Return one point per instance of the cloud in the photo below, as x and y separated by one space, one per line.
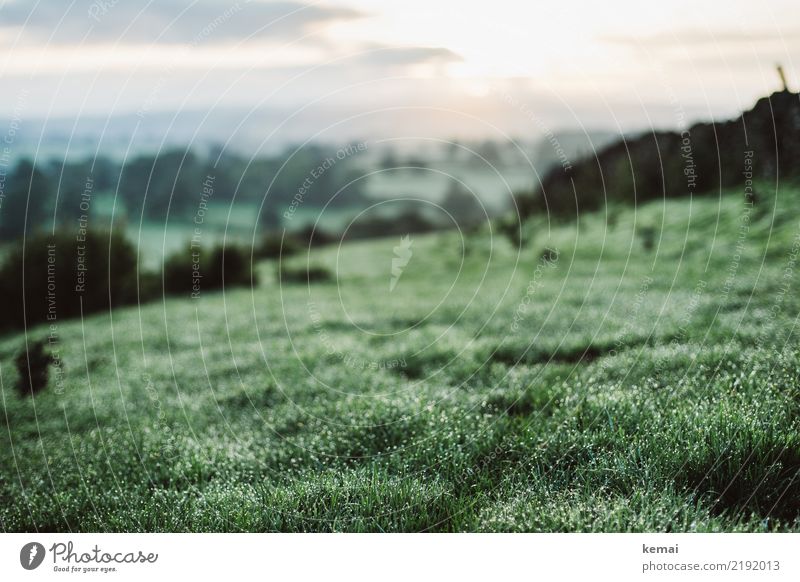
694 38
163 21
385 56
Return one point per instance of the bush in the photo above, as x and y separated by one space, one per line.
462 205
549 255
408 222
50 277
33 366
304 274
511 228
194 269
647 234
28 202
273 246
310 237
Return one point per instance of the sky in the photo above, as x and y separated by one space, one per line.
463 67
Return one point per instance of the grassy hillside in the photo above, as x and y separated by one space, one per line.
644 377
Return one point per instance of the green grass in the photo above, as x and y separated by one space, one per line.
637 391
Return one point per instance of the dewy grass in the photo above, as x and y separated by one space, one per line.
642 389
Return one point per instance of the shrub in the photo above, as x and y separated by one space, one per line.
511 228
33 367
28 202
464 207
304 274
49 277
408 222
549 255
647 234
194 269
273 246
313 237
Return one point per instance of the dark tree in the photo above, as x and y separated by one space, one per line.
463 206
61 275
27 203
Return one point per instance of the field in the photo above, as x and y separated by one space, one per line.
636 370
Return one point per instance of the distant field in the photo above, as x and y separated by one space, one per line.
599 386
492 185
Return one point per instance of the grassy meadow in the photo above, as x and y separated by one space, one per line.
636 370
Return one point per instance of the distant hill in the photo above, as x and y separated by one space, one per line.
761 144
